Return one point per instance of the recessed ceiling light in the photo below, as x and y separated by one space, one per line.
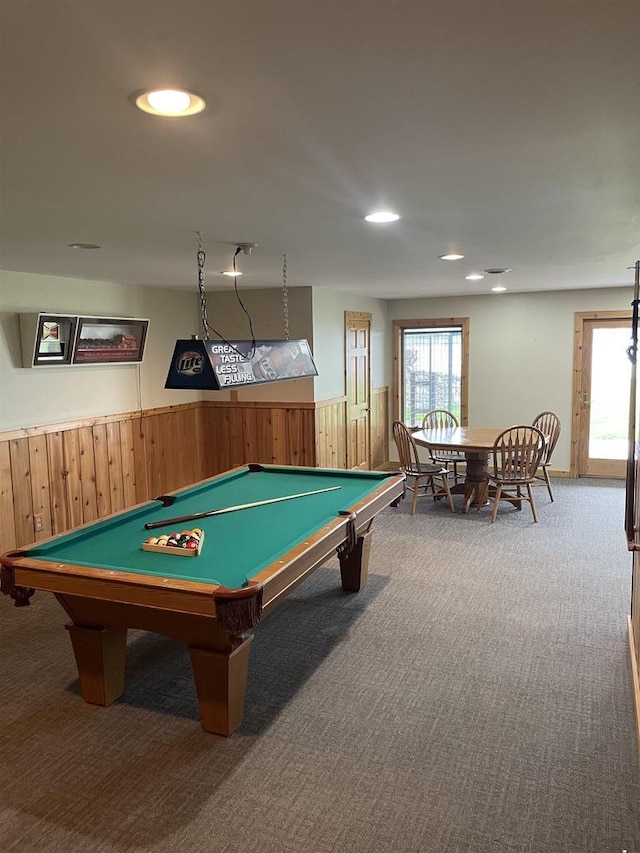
173 103
233 273
382 216
496 270
83 246
499 288
475 276
452 256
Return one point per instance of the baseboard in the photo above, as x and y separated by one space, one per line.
636 682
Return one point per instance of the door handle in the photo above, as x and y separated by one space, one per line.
585 398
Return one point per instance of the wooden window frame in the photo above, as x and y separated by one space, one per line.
399 327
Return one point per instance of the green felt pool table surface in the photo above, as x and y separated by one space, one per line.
237 545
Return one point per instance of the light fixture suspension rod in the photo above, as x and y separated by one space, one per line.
285 298
200 259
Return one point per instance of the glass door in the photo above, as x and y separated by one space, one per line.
604 398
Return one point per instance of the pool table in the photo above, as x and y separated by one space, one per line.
251 558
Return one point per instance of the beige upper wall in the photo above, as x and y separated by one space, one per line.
329 307
45 395
521 347
521 351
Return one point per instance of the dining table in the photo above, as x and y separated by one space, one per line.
476 443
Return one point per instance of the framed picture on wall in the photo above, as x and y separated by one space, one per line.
47 339
109 340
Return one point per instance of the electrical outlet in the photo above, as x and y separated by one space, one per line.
38 522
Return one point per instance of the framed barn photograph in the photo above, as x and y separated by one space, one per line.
109 340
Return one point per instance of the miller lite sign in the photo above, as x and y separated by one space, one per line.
217 365
190 368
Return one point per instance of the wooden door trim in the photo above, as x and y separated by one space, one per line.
580 318
355 317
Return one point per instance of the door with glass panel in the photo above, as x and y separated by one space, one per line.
602 394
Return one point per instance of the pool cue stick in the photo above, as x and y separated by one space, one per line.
169 521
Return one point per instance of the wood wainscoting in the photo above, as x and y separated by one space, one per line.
235 433
288 434
331 431
379 427
56 477
634 638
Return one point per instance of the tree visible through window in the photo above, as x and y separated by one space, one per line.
431 360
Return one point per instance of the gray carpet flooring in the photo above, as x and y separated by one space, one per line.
475 698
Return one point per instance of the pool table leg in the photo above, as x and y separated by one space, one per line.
221 681
354 564
100 657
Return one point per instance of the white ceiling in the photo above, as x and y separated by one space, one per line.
506 129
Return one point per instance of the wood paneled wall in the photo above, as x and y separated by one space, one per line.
379 427
634 638
331 435
56 477
235 433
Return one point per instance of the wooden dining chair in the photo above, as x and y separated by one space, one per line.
443 419
514 461
421 476
549 424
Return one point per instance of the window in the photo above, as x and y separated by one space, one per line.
431 359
